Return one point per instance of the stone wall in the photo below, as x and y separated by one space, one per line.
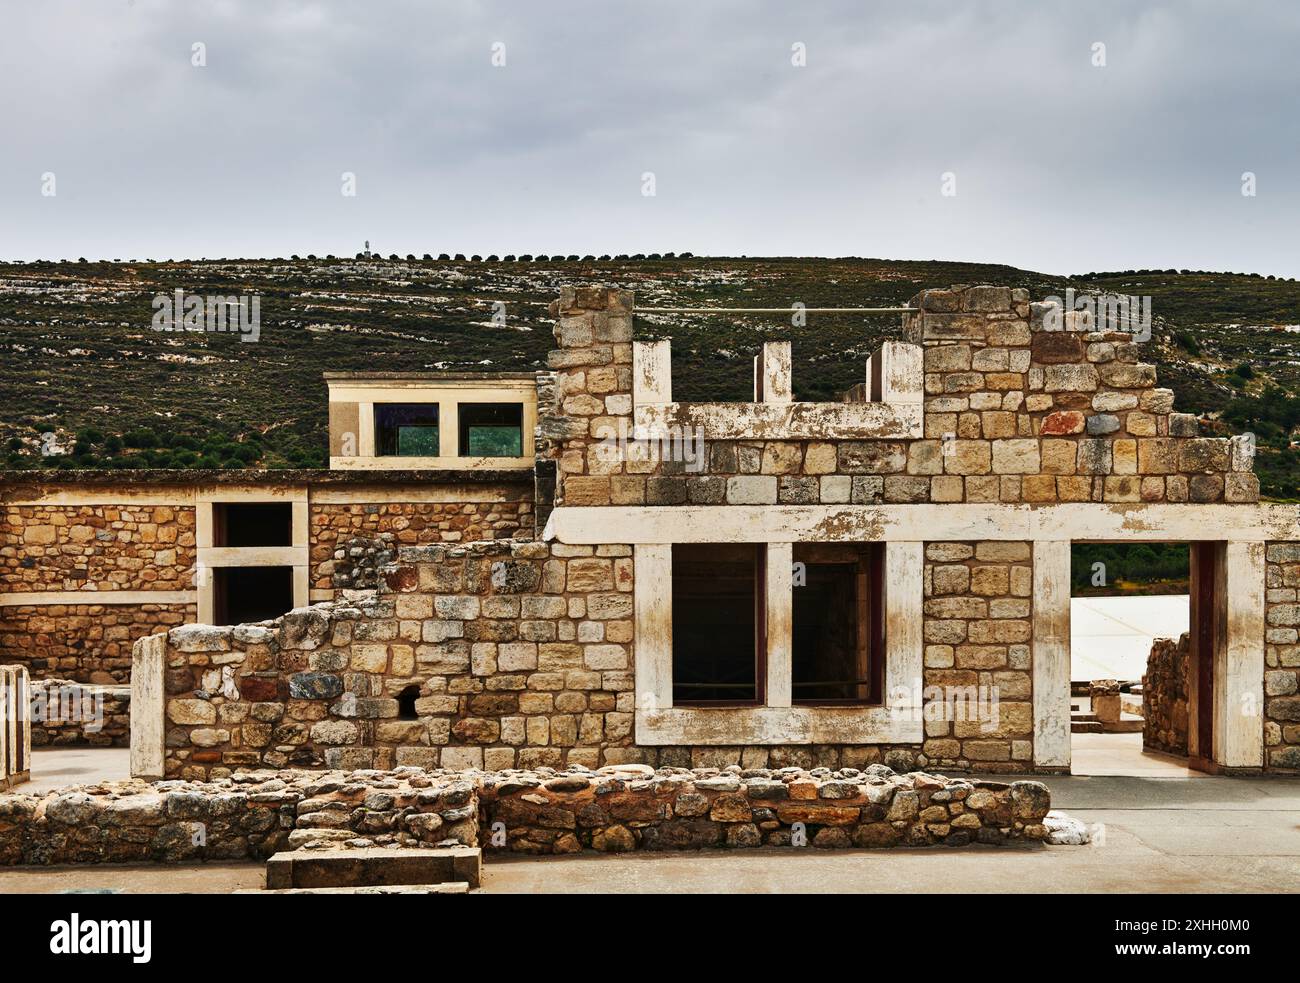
340 528
247 816
1165 689
1282 657
977 631
1014 411
518 655
67 713
617 809
96 547
1018 412
87 642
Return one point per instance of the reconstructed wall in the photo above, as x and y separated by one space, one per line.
86 642
257 814
338 529
78 582
520 654
1165 690
978 626
78 551
1018 412
66 713
1282 657
96 547
1014 411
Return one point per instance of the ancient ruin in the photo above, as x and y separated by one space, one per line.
616 620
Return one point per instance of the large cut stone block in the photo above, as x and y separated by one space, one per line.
373 867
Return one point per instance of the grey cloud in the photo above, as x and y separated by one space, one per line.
1060 166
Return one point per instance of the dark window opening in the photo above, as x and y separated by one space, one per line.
246 594
252 524
718 624
406 430
837 630
406 703
491 429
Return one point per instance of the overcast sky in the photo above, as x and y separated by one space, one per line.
1059 165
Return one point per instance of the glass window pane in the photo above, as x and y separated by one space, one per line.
406 429
491 429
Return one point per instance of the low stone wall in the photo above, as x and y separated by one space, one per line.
1164 696
66 713
252 815
633 807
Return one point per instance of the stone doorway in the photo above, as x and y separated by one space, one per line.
1132 604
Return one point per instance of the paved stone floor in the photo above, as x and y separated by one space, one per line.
55 767
1122 754
1161 835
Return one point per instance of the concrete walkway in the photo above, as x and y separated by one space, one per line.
1160 835
57 767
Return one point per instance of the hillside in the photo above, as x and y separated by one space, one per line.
80 361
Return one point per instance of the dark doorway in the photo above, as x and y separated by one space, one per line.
246 594
245 524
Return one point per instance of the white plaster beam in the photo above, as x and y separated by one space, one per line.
784 421
773 380
902 379
105 597
775 725
652 600
652 373
924 522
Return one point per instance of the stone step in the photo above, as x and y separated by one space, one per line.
373 867
451 887
1086 727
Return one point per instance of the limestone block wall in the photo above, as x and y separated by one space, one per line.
1282 657
1013 411
83 641
338 528
96 547
515 655
978 659
69 553
66 713
1165 690
1025 413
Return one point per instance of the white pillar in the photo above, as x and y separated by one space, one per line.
1051 655
148 699
780 621
1239 673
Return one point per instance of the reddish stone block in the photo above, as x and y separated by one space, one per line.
1062 422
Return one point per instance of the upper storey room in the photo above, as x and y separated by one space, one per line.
423 420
